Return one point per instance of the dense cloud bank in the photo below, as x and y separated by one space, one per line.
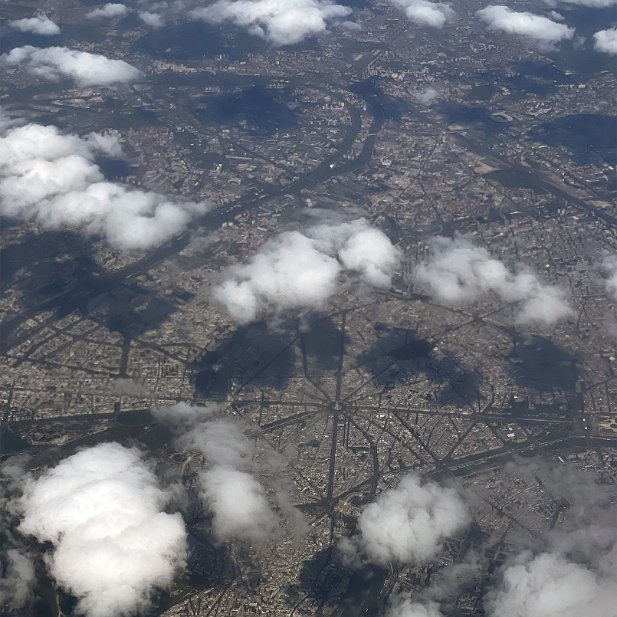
235 496
457 272
52 178
103 511
426 13
296 271
536 28
407 524
84 68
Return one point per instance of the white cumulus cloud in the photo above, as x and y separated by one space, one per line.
154 20
407 524
457 272
113 543
606 41
296 271
278 21
426 13
84 68
533 27
110 10
52 178
40 24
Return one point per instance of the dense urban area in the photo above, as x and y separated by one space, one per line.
459 132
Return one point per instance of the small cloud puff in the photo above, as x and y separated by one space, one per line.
154 20
426 97
406 608
40 24
596 4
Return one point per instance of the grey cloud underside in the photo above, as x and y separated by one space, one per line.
457 272
52 179
113 543
299 271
